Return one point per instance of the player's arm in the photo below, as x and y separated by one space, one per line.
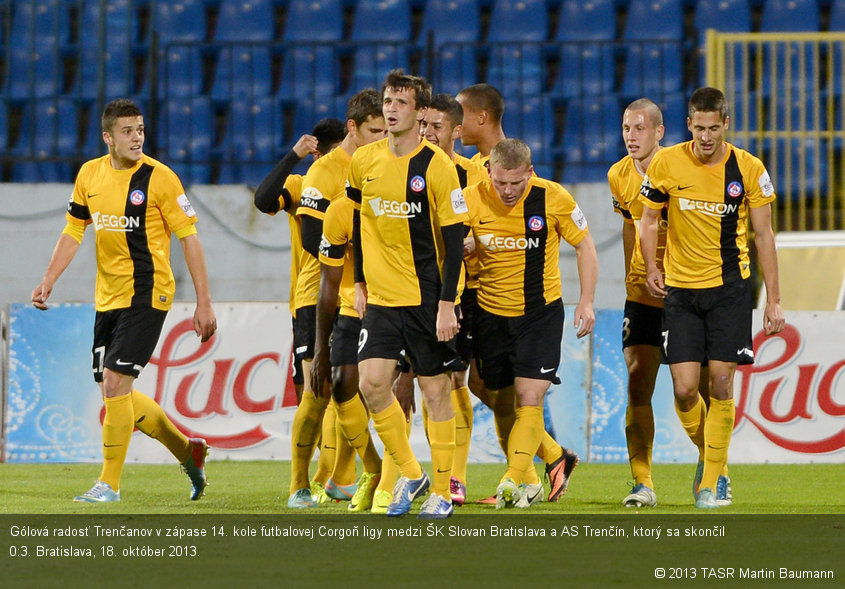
205 323
267 194
588 274
648 245
453 241
63 253
764 238
628 237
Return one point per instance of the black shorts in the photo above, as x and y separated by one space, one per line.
125 339
304 333
465 343
344 344
387 331
526 347
642 325
713 323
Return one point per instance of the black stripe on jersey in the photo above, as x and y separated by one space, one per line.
354 194
78 211
730 220
535 257
331 250
462 176
139 249
652 194
420 228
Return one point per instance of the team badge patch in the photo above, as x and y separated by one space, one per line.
536 223
137 197
734 189
417 183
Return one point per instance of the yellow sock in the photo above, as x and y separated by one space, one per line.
724 472
718 429
328 445
304 433
425 422
504 425
639 432
344 472
442 436
117 431
390 425
549 450
462 406
353 420
693 422
151 419
389 468
524 441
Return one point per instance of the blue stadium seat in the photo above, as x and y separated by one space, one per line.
795 159
185 138
245 20
39 23
379 28
180 20
800 16
34 73
727 16
118 23
44 134
653 69
590 20
526 20
795 57
242 71
117 73
309 66
674 109
585 69
533 121
180 72
515 61
837 23
456 27
253 129
592 139
4 125
306 114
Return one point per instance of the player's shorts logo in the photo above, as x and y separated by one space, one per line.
536 223
417 183
734 189
137 197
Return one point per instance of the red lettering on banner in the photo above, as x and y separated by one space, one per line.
800 407
215 403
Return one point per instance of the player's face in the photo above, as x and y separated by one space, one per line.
370 130
400 111
510 184
126 141
640 134
438 129
708 134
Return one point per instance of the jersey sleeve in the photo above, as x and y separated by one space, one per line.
337 232
619 205
172 201
446 189
760 191
78 213
654 192
570 220
316 192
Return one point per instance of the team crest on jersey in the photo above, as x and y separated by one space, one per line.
734 189
137 197
417 183
536 223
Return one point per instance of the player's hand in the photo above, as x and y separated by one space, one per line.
447 321
654 283
773 319
469 245
205 323
361 299
306 144
403 390
321 373
585 319
40 294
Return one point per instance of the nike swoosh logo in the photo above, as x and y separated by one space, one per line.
519 452
533 497
93 195
685 187
122 363
371 179
485 221
447 470
298 445
112 445
546 370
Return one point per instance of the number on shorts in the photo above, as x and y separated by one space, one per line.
362 339
666 342
100 352
626 328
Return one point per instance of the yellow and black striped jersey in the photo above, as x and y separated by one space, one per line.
324 182
133 213
293 184
707 239
404 203
336 250
625 180
469 173
518 247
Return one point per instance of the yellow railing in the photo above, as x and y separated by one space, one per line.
786 93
